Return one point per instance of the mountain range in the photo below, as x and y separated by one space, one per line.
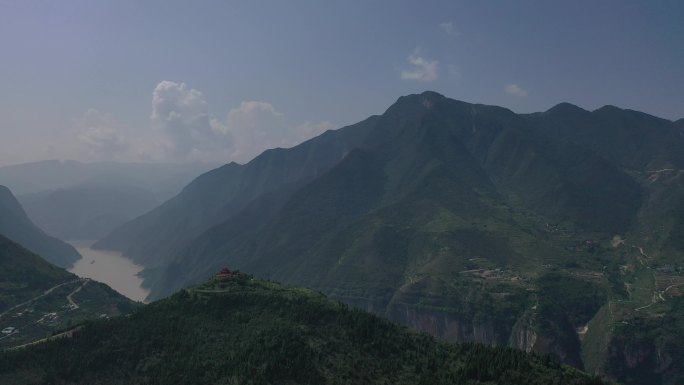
556 232
85 201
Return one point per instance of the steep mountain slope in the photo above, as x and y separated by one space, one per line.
25 275
475 224
631 139
15 225
248 331
220 193
87 211
37 298
421 162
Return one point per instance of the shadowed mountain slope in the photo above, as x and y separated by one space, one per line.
453 218
222 192
15 224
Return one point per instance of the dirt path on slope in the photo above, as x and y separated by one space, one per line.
46 292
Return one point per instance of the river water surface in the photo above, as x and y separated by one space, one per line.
109 267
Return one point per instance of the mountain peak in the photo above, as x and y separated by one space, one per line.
608 108
565 108
432 94
425 99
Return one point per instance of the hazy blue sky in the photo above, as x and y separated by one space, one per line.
222 80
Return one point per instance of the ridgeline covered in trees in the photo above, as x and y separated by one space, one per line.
245 331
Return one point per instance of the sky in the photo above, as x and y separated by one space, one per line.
221 81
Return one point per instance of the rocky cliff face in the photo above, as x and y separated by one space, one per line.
525 333
450 327
636 362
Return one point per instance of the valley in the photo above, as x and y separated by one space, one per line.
468 222
120 273
341 193
38 300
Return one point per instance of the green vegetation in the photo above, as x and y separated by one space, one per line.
245 331
578 298
648 341
24 275
34 297
470 222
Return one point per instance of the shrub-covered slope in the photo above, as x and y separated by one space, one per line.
38 299
244 331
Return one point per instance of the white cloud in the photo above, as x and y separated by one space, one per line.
181 113
256 126
449 29
183 129
421 69
97 136
515 90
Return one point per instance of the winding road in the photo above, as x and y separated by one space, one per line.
73 305
46 292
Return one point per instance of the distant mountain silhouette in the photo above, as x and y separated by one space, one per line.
15 224
74 200
50 175
87 211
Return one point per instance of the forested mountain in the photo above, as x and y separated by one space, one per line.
244 331
38 299
554 232
223 192
15 224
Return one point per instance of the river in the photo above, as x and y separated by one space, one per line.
109 267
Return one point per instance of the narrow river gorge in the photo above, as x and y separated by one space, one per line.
109 267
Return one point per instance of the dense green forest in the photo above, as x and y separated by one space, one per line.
247 331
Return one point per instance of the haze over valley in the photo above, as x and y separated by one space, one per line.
342 193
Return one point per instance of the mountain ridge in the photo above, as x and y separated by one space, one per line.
240 330
453 218
15 224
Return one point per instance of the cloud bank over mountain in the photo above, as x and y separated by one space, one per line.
182 128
